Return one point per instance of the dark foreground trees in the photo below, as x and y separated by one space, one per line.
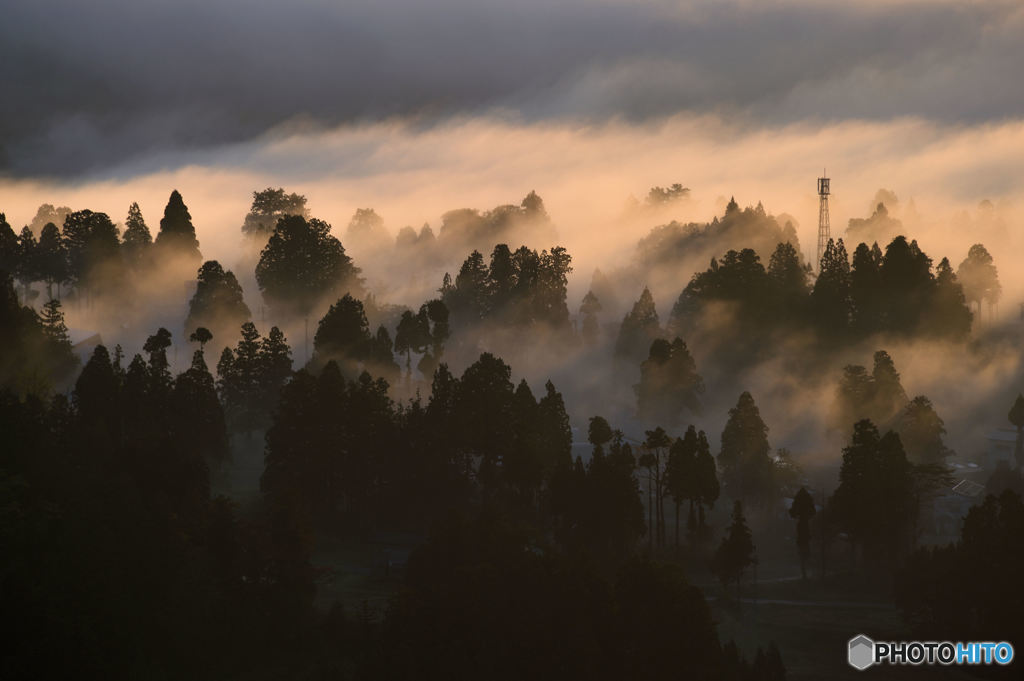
874 501
802 510
485 601
736 552
970 591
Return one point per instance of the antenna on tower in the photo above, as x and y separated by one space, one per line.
823 224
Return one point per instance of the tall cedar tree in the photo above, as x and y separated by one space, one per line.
830 298
218 302
53 258
873 502
590 328
669 383
136 240
736 552
251 376
681 480
177 236
343 335
802 509
640 327
654 459
747 468
1016 417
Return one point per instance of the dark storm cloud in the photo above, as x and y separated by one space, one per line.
94 85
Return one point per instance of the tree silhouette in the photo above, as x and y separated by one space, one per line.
93 250
802 509
866 293
589 309
412 335
669 383
200 419
343 334
967 590
681 477
238 382
28 267
1016 417
599 505
177 236
654 459
788 277
707 486
57 348
218 301
979 278
747 468
921 431
736 552
888 396
269 206
53 258
906 277
366 227
136 241
275 367
873 502
948 316
8 247
302 263
159 368
202 336
640 327
830 298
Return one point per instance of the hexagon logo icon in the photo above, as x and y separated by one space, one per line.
861 653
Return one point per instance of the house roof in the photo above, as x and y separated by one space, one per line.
968 488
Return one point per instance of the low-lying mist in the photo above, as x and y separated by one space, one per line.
948 186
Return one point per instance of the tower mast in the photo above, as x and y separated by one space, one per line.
823 224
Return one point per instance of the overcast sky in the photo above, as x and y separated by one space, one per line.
90 87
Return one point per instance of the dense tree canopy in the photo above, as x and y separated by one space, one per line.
269 206
302 264
218 302
669 383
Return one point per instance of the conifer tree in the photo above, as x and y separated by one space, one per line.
218 302
669 383
53 258
177 236
589 309
640 327
1016 417
802 509
830 298
28 269
736 552
198 416
136 240
58 351
747 468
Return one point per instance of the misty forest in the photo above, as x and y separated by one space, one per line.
445 452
